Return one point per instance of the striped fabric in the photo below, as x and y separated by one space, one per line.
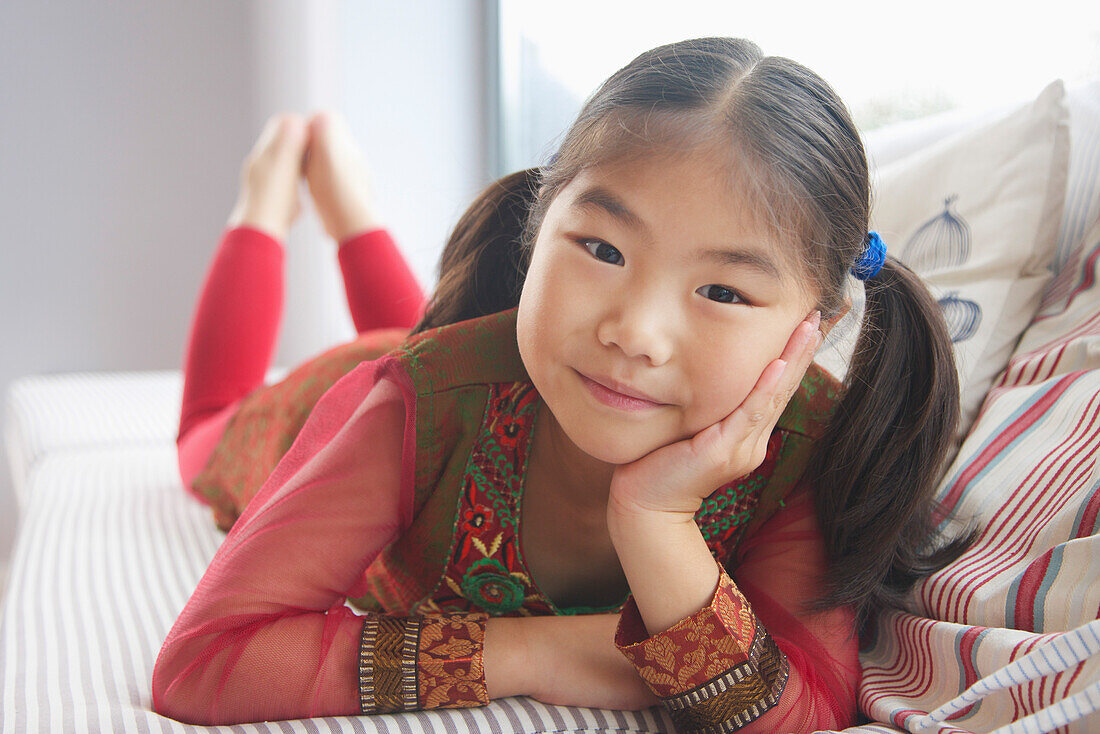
109 550
86 409
1029 476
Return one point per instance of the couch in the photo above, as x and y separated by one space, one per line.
998 209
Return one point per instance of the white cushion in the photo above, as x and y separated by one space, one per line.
888 144
48 413
976 215
110 549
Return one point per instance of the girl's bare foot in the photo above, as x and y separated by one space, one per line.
269 177
337 175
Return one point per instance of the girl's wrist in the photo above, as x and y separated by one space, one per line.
625 520
667 563
507 655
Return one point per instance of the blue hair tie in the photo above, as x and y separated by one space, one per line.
872 257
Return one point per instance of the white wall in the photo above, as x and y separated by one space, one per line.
123 126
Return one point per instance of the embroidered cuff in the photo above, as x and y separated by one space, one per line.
387 664
422 662
714 671
452 669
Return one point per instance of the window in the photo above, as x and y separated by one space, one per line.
888 61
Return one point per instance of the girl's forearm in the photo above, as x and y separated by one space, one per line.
568 660
506 657
671 572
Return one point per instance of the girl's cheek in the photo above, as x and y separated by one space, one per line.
725 376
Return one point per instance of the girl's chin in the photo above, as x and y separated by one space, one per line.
607 440
616 452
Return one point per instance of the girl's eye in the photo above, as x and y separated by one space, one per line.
720 294
603 251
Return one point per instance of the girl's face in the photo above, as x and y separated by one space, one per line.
652 304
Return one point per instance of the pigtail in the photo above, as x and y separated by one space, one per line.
482 266
877 467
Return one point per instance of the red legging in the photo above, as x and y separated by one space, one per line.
237 319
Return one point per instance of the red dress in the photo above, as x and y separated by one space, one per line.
267 633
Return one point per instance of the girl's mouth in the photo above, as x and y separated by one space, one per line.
617 395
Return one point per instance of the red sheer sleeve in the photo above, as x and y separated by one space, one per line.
781 567
266 635
754 654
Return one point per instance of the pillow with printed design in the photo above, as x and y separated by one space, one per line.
977 215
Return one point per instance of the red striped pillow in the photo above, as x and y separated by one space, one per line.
1029 475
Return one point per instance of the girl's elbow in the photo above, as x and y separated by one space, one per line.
173 695
165 702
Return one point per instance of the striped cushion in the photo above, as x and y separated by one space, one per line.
109 551
1029 476
1082 196
46 413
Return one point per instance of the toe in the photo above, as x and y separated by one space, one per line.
319 124
291 131
283 134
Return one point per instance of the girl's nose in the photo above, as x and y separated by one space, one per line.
639 330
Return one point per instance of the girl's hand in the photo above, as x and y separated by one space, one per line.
676 478
577 664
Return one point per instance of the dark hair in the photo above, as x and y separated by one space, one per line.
794 143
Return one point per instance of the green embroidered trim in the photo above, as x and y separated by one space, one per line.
488 584
712 516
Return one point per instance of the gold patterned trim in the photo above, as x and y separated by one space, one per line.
451 661
740 695
387 664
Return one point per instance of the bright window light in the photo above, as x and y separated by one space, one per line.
888 61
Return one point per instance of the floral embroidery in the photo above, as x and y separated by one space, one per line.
485 569
511 431
475 518
721 652
489 585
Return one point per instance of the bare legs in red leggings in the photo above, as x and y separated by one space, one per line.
237 317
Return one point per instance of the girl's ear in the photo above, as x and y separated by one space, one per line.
828 324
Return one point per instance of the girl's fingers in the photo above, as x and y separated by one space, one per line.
756 414
798 353
803 340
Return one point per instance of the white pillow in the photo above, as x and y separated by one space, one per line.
976 214
1082 194
892 142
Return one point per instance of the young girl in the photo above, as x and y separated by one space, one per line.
603 470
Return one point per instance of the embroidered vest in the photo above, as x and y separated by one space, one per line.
476 411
